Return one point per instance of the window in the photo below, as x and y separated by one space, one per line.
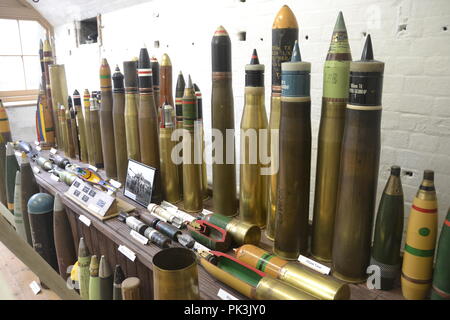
19 55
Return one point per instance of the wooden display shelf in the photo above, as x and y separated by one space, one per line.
104 238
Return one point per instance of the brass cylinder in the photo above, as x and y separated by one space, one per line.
253 182
242 232
63 129
273 289
59 93
70 134
87 126
175 275
169 170
96 133
131 111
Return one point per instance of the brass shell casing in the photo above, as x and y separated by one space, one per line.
244 232
273 289
192 183
169 170
175 275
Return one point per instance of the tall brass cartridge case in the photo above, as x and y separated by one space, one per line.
420 242
81 126
155 84
131 111
179 92
389 231
222 113
175 275
120 138
59 93
64 130
192 179
358 169
284 34
291 229
253 181
106 121
74 127
148 123
70 138
319 286
201 136
95 129
64 246
165 80
87 127
169 170
48 60
334 100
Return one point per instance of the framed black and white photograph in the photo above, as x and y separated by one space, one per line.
139 182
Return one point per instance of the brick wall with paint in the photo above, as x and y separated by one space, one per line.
410 36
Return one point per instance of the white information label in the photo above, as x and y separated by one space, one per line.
138 237
94 208
54 178
38 148
18 154
36 142
127 253
93 168
314 265
35 287
53 151
109 192
85 220
222 294
115 184
36 170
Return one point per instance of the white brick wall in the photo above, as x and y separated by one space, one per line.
416 101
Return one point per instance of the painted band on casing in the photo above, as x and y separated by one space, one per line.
295 84
365 88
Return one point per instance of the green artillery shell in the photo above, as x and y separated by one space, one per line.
40 213
18 212
131 111
59 94
441 278
84 260
420 241
29 188
284 34
65 248
131 289
148 123
253 181
10 175
179 92
222 111
291 227
48 60
94 280
169 170
334 101
106 122
358 169
74 127
70 138
119 125
106 280
389 231
155 82
192 180
117 285
199 129
87 126
81 126
95 129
